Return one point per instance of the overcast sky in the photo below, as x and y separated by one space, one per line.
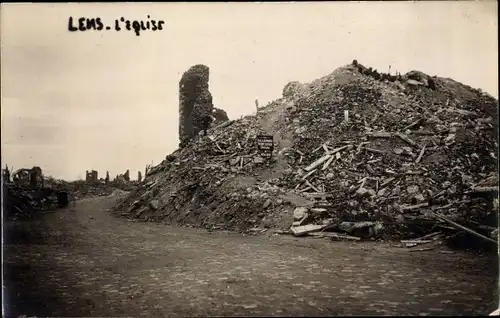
108 100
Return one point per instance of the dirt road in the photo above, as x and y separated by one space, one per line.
85 262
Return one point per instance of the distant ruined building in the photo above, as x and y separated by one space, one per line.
123 178
91 176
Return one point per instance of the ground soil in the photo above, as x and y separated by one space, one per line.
82 261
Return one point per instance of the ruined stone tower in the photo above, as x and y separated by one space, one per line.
195 103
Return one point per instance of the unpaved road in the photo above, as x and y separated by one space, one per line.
84 262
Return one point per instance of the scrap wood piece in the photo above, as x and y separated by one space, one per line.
308 174
363 182
327 164
312 186
461 227
483 189
360 146
414 207
317 162
439 194
416 241
432 181
386 182
407 140
319 234
370 169
218 147
389 171
448 228
318 148
346 237
421 249
324 234
306 229
414 172
305 189
325 148
420 155
334 151
413 124
379 134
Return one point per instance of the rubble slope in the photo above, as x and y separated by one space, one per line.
352 146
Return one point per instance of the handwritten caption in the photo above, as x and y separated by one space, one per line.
83 24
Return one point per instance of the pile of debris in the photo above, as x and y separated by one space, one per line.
81 189
370 157
29 193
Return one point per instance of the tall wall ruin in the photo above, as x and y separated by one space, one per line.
195 103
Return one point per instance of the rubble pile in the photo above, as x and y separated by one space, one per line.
81 189
29 193
361 155
23 202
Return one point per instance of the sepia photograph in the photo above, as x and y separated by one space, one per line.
249 159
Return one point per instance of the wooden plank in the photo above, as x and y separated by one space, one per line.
379 134
305 229
420 155
407 140
317 162
461 227
327 164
